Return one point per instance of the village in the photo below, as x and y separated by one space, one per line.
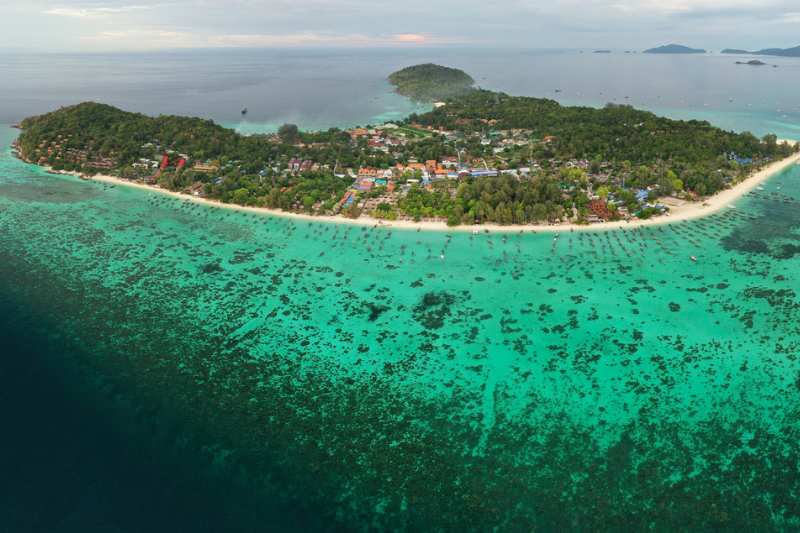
590 192
378 192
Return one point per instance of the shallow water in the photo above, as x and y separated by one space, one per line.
353 378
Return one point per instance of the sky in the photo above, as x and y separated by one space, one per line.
135 25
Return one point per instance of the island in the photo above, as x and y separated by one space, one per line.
674 49
776 52
602 52
753 63
430 83
483 158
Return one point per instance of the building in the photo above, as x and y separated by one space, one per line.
599 208
450 162
104 163
364 185
368 172
205 167
483 173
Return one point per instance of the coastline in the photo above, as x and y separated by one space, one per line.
687 211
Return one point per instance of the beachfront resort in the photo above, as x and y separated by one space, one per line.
479 158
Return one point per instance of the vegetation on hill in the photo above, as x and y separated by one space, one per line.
778 52
674 49
548 162
693 150
105 131
429 82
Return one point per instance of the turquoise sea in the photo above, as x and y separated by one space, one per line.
175 367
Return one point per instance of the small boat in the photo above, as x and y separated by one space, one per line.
694 259
244 111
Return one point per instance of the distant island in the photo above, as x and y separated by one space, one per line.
483 158
753 62
674 49
429 82
776 52
602 52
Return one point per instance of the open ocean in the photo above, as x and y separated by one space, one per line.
173 367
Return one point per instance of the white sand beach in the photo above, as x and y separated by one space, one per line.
677 213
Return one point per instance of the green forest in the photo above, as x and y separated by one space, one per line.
635 150
429 82
694 151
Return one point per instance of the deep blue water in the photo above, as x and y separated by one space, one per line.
76 457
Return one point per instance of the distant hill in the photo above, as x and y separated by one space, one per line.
780 52
429 82
674 49
777 52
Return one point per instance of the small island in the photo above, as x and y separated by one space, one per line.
484 158
775 52
430 83
674 49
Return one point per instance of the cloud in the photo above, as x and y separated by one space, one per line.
316 38
409 38
92 12
521 23
790 18
143 39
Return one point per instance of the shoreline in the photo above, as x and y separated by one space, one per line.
688 211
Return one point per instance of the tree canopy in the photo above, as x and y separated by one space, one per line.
429 82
